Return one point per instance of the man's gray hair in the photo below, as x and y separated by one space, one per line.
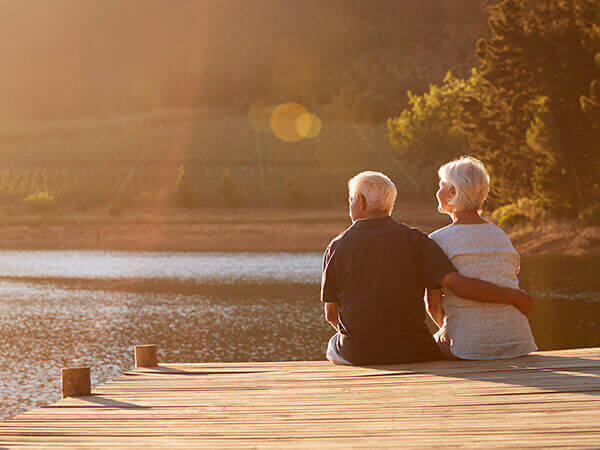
379 191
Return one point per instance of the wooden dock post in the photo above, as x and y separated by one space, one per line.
145 356
76 382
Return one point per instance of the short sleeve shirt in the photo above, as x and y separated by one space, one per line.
376 272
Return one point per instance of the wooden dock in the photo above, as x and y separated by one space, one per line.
545 399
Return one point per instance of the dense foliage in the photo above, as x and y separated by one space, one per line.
428 133
533 110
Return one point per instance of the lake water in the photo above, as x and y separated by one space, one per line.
63 308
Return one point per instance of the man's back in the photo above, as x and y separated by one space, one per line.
376 272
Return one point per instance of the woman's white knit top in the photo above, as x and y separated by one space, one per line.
483 330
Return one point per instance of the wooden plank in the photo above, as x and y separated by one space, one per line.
548 398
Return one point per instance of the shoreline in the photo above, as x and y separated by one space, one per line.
175 230
556 238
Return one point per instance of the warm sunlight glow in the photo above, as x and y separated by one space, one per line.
309 125
284 121
259 115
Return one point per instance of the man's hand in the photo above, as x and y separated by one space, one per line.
523 301
331 315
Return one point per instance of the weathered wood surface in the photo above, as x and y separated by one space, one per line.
546 399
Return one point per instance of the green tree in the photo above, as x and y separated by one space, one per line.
535 113
427 133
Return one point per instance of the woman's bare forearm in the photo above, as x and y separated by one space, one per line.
434 307
332 315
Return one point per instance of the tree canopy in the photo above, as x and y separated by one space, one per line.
533 113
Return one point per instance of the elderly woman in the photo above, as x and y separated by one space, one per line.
478 249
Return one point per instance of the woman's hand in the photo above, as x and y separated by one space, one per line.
434 307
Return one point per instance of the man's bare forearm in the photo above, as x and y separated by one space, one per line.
480 291
484 292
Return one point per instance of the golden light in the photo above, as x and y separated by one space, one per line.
284 121
309 125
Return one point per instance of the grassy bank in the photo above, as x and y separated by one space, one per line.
556 237
175 229
178 229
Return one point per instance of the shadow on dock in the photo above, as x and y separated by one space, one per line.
98 400
554 374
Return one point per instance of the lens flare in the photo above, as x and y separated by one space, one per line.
284 121
309 125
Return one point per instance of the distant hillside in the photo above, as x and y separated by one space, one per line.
357 58
135 160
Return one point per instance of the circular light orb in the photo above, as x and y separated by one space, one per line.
309 125
284 120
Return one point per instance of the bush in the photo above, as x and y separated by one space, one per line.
591 216
40 202
511 219
427 133
522 211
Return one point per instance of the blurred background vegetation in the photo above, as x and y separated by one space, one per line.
530 108
191 158
140 103
73 58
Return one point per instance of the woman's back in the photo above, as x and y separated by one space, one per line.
483 330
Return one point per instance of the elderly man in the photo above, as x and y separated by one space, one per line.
374 277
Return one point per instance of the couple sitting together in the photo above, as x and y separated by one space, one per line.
379 277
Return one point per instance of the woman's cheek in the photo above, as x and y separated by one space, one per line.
443 200
440 197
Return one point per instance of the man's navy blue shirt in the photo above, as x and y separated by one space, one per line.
377 271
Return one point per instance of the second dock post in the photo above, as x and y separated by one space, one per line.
146 356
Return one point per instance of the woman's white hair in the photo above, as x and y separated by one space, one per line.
379 191
471 181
